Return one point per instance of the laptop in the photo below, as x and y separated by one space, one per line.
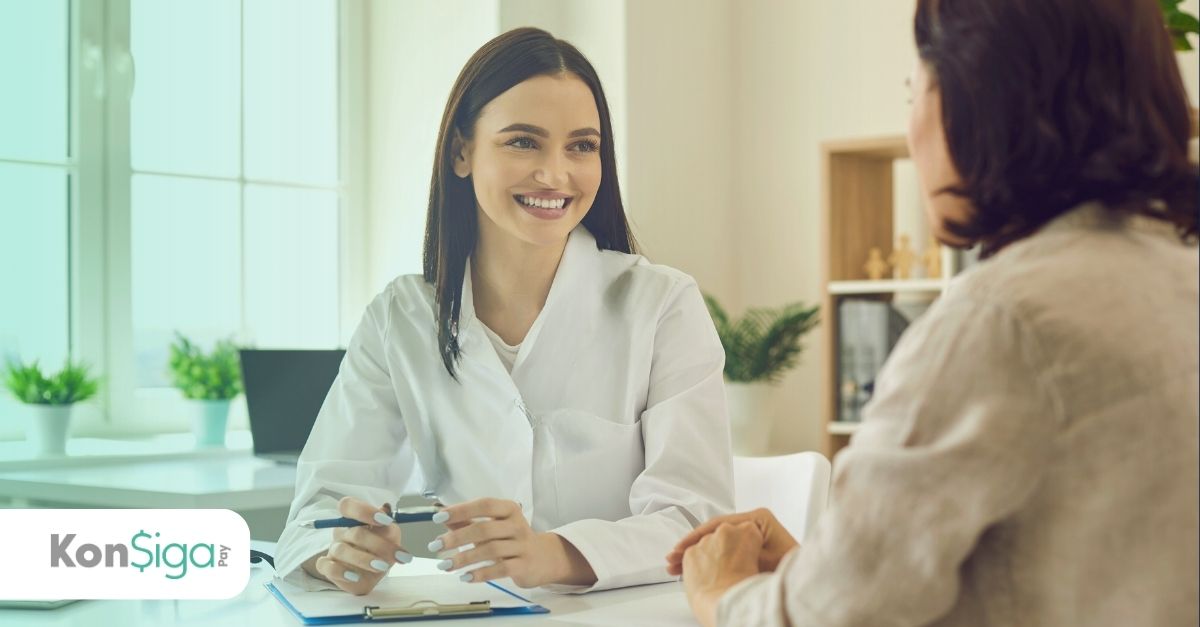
284 393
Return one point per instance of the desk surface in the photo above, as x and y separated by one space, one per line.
661 605
236 481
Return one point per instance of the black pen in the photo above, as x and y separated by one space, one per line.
420 513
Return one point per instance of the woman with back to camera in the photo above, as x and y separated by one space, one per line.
563 394
1031 455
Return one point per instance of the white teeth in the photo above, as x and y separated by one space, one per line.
557 203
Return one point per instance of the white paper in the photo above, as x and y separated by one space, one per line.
399 589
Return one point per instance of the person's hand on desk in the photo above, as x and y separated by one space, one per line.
717 562
360 557
501 535
776 541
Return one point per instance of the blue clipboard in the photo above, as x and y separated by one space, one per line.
426 610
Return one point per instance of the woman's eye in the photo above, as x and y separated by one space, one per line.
523 143
587 147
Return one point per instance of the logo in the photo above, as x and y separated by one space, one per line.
117 555
124 554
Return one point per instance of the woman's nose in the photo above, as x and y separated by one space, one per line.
553 171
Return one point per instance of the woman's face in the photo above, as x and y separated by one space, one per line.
534 159
935 169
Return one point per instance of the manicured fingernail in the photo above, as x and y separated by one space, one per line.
467 577
441 517
350 576
380 565
383 518
445 565
403 557
436 545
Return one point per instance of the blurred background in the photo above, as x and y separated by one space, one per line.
257 170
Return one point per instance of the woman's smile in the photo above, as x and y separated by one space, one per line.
544 205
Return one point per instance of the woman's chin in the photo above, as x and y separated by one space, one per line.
542 232
946 238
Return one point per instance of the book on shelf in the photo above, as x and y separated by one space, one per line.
867 332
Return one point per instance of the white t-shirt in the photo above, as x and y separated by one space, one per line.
508 354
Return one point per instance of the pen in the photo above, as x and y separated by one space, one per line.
403 515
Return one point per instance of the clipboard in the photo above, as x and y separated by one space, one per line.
392 601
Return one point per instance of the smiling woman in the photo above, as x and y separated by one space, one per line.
535 349
533 183
526 123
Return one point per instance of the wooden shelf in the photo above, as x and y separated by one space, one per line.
859 214
842 428
886 286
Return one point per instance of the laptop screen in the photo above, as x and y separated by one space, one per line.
284 393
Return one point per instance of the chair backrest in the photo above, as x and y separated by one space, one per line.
794 487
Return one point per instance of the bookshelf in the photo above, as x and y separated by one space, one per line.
838 427
886 286
860 211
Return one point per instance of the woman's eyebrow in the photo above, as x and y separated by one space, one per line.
541 132
583 132
525 128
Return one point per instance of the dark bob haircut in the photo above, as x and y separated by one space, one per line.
452 223
1047 104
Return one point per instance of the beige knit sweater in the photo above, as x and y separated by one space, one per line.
1030 456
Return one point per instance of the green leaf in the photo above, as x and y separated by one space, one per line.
72 384
1183 22
765 343
1180 42
205 376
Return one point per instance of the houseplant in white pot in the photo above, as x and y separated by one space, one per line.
759 349
209 381
49 401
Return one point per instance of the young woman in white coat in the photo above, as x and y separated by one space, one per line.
560 392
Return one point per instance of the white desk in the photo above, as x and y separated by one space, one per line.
19 455
661 605
261 491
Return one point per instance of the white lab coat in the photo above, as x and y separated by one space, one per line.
611 429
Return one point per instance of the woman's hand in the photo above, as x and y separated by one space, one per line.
716 563
360 557
777 542
507 546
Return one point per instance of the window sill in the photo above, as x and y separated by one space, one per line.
17 455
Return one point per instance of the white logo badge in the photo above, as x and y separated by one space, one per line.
123 554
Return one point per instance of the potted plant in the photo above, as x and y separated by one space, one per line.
759 348
49 401
209 381
1179 24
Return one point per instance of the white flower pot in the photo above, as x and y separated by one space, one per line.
46 429
750 426
209 419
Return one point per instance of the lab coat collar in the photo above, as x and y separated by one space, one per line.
576 268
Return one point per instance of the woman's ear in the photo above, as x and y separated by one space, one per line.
460 155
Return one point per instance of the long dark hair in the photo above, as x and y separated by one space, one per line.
451 225
1050 103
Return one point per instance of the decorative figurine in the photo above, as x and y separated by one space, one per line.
932 258
876 266
902 258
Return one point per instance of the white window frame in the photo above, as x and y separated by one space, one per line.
101 279
85 210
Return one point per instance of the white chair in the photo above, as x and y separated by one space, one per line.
794 487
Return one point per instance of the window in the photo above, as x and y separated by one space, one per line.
234 157
172 165
36 174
